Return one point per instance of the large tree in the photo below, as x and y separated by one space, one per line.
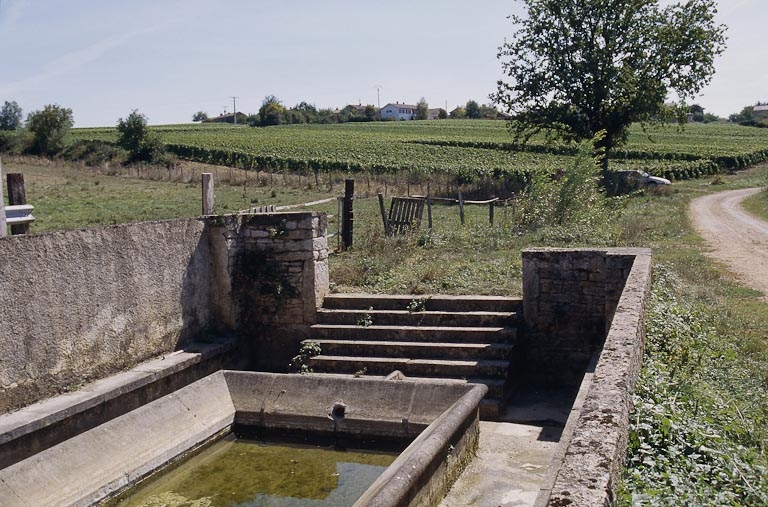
10 116
271 112
49 128
578 68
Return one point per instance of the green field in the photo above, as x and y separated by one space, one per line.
466 150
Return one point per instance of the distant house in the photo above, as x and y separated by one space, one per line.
398 111
434 114
760 111
229 118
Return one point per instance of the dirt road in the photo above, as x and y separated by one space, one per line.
737 239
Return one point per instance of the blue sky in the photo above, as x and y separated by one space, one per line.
170 58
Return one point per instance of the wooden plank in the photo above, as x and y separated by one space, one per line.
306 204
387 227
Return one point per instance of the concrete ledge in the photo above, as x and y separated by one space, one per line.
39 426
425 471
92 465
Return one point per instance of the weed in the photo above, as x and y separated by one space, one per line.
301 361
365 320
417 305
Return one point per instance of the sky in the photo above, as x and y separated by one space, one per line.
172 58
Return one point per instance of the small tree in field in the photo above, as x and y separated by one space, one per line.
578 68
200 116
49 129
135 137
422 110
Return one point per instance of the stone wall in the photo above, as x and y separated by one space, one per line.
277 276
590 459
569 297
80 305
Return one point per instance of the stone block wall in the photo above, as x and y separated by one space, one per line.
569 297
276 267
589 461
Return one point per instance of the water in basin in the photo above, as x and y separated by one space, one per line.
249 473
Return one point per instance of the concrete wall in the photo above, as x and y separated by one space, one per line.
588 465
79 305
569 297
82 304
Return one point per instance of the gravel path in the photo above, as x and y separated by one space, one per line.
736 238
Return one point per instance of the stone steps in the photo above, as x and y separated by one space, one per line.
416 350
413 333
425 303
407 318
438 368
451 338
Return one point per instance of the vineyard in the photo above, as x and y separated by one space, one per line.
466 151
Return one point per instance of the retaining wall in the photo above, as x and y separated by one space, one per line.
602 294
80 305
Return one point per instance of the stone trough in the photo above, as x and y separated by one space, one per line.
440 420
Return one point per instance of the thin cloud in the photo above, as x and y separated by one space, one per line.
73 61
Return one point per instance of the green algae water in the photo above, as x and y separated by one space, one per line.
247 473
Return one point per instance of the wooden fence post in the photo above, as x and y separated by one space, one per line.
429 207
461 208
17 195
347 214
3 227
208 196
490 212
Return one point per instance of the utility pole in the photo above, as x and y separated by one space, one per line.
234 109
378 96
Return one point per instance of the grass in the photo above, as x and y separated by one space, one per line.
700 425
758 203
70 196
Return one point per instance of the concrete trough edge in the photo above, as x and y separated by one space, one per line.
22 432
399 485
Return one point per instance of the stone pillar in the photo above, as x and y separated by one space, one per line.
276 267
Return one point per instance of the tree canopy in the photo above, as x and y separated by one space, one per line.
10 116
49 128
578 68
200 116
272 111
422 109
135 137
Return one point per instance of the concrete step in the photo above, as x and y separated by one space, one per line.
415 350
436 302
411 367
432 334
425 318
